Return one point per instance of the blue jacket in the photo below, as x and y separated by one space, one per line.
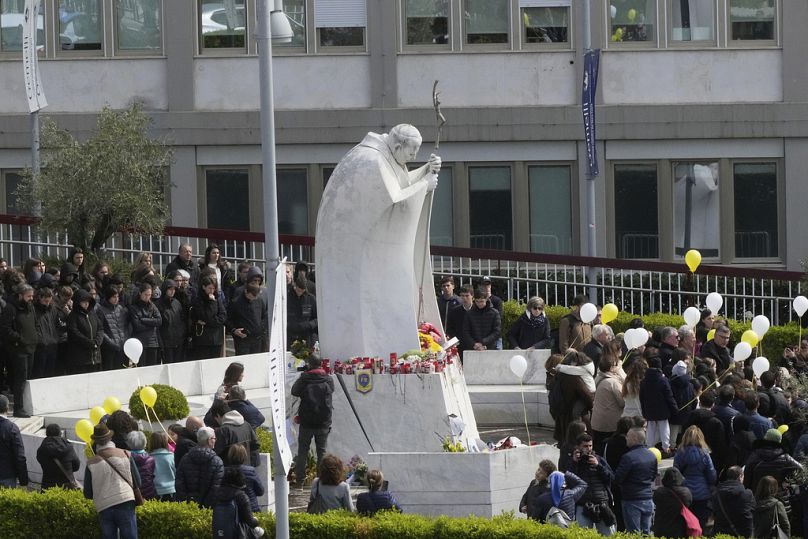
758 424
165 472
725 413
697 467
684 393
656 397
368 503
12 452
253 486
248 411
574 489
636 473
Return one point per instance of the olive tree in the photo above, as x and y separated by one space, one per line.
114 181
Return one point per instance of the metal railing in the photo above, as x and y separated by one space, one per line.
636 286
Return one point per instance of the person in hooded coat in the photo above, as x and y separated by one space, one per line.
231 492
84 334
565 491
69 276
117 329
208 318
146 322
174 327
668 501
658 405
56 448
233 430
46 356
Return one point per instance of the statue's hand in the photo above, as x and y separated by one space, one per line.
434 163
431 181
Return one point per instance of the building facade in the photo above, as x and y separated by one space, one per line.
702 112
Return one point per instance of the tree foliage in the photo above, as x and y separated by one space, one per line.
114 181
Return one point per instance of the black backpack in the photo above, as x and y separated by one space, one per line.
226 520
315 403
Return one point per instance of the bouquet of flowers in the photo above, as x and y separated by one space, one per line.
300 350
357 470
430 338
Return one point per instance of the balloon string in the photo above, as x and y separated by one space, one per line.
159 422
524 409
694 399
147 415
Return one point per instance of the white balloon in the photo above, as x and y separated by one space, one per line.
133 349
613 11
692 315
640 337
588 312
800 305
760 365
714 302
518 365
742 351
760 325
628 338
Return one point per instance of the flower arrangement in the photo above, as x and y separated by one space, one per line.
430 338
300 350
452 447
357 470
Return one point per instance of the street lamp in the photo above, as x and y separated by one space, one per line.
272 26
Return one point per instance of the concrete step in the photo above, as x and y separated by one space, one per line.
509 404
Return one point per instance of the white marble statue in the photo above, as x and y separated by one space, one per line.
374 275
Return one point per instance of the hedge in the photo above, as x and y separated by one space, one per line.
777 338
67 514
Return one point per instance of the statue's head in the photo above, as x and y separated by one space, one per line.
404 141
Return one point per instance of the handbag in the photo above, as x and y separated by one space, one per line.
135 490
557 517
692 524
72 484
317 504
777 532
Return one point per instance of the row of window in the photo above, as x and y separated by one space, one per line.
658 210
136 26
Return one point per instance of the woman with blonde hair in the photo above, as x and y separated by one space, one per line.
377 498
631 388
693 460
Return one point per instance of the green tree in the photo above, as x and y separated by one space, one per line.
114 181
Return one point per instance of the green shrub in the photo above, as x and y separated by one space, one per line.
771 347
170 404
68 515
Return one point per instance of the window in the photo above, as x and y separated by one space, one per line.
636 213
293 207
295 11
696 216
228 198
81 25
139 25
12 182
222 24
440 230
755 189
693 20
11 23
550 209
549 24
632 20
426 22
486 21
752 19
340 23
490 207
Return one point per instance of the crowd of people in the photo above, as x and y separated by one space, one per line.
74 319
735 439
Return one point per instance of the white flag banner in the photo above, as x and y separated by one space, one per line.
277 368
33 81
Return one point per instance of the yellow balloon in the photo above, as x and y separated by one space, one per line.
782 429
750 337
710 335
608 313
149 396
84 430
693 259
96 414
632 14
656 453
112 404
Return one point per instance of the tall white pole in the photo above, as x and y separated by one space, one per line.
271 254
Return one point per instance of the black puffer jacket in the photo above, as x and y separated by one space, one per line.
668 500
18 326
248 314
530 499
56 448
199 476
146 322
115 320
768 458
47 324
12 452
481 326
598 478
315 389
227 493
214 315
235 430
175 321
302 318
84 334
738 505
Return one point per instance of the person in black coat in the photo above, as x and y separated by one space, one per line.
375 499
301 310
668 500
173 330
447 300
529 504
658 404
84 334
232 490
733 505
315 389
531 330
247 320
253 487
185 439
769 458
456 316
200 472
146 322
46 356
233 429
117 329
705 419
18 330
481 327
184 261
52 449
13 466
208 317
718 350
237 400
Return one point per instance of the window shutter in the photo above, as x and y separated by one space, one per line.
340 13
545 3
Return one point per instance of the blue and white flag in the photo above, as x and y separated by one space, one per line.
33 84
590 88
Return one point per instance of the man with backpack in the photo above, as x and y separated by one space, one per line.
314 388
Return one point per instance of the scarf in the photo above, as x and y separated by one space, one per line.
556 484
